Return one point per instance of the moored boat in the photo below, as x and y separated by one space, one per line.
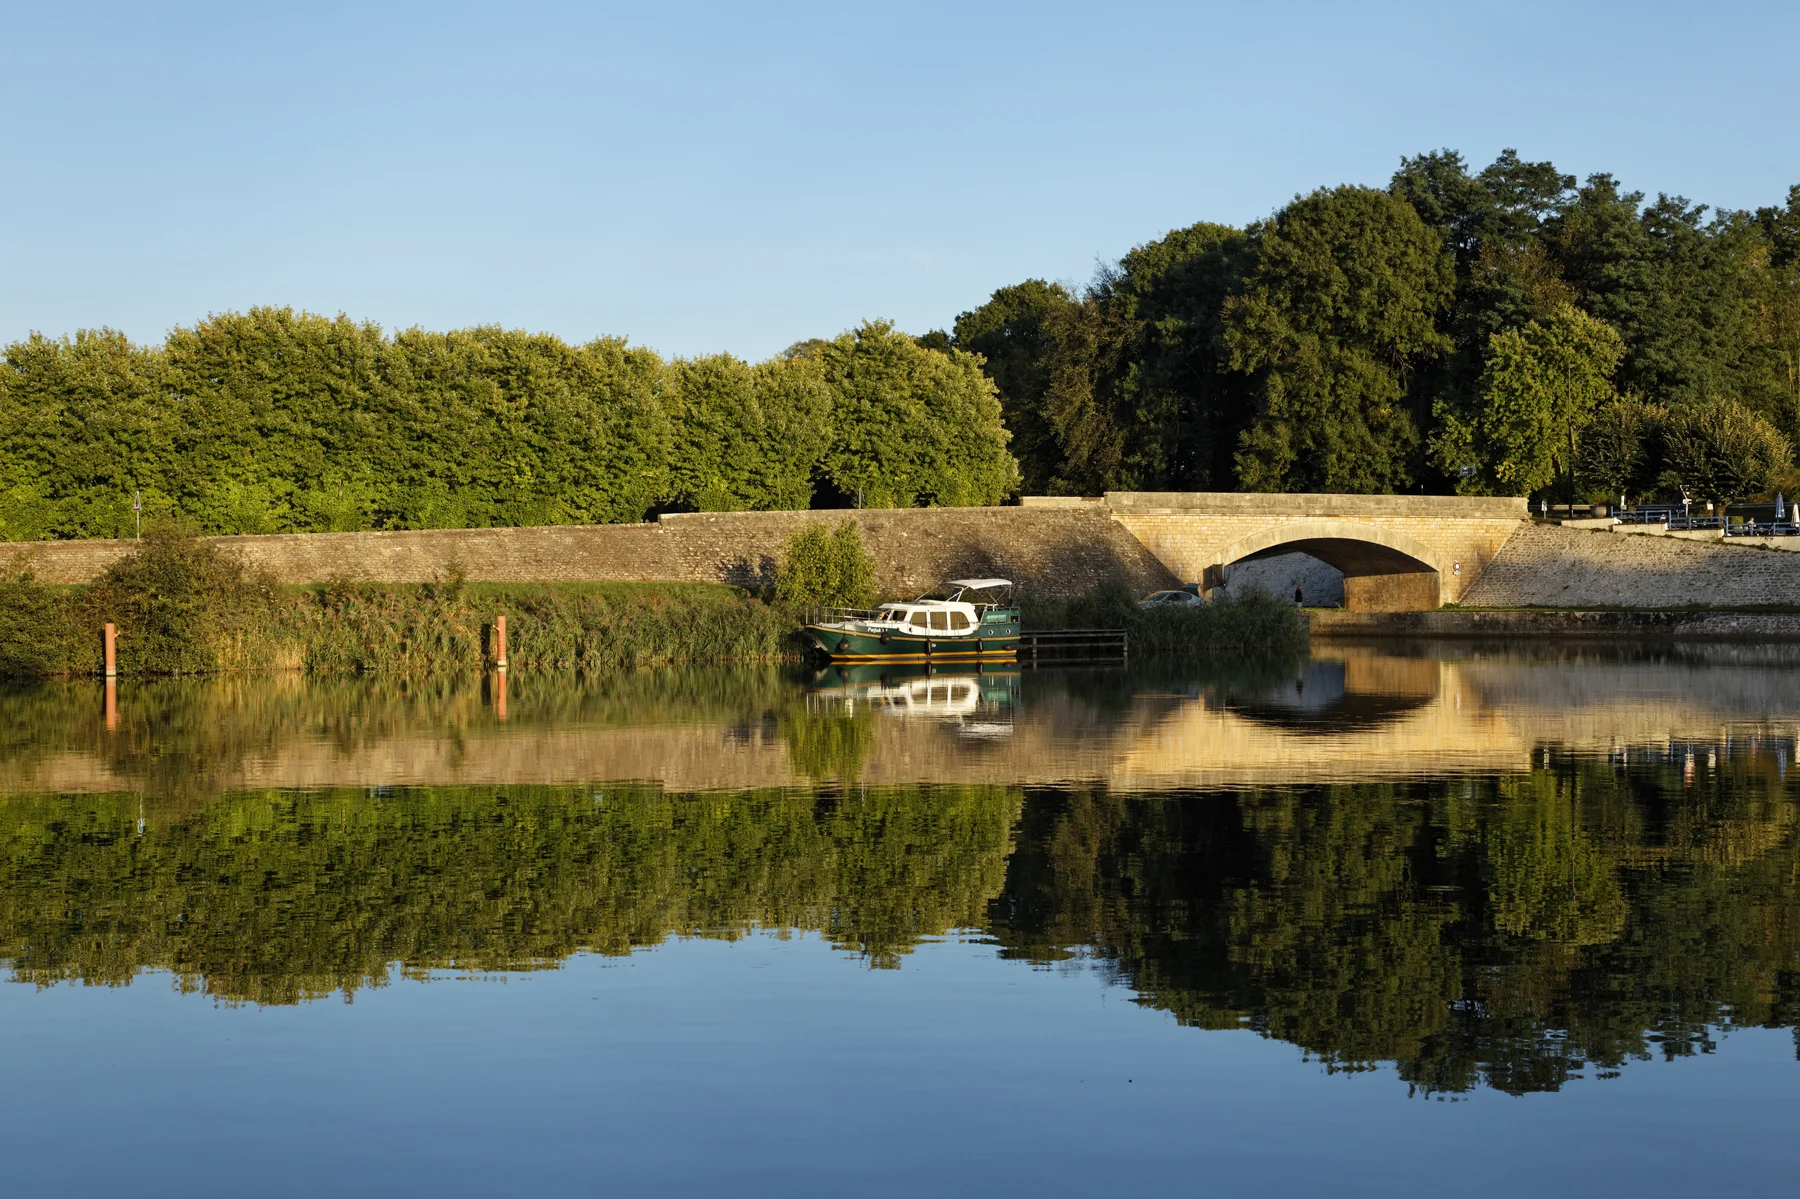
965 620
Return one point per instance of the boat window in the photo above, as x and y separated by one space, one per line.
940 620
917 619
959 620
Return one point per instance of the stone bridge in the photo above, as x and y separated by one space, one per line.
1398 553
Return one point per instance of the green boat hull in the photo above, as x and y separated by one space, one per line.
990 641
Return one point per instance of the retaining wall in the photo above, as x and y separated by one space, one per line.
1549 566
1054 553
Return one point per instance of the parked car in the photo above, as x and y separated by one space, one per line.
1171 599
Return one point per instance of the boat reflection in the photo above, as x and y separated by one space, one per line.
977 700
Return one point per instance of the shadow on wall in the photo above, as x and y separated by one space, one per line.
758 576
1279 574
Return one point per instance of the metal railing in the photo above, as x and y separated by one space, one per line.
1067 647
1648 516
819 614
1763 528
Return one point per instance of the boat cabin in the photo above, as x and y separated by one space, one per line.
929 616
957 607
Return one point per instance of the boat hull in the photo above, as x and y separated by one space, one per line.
995 643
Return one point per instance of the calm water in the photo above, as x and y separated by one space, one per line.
1409 920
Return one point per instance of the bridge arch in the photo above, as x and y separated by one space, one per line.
1385 569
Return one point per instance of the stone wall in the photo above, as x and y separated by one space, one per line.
1552 567
1054 553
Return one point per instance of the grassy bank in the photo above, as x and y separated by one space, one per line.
183 607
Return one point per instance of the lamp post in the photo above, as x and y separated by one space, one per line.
137 510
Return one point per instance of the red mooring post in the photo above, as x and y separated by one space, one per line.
500 642
110 639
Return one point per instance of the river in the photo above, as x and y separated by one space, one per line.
1403 919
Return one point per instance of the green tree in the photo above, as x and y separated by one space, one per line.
84 421
1620 452
1538 392
1682 291
746 438
912 426
1339 308
1779 303
1014 335
1722 451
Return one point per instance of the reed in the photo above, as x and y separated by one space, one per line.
1256 626
186 613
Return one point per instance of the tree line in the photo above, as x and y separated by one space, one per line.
1494 331
276 421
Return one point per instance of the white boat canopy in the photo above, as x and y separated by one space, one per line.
979 584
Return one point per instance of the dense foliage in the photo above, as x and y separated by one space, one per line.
1459 330
276 421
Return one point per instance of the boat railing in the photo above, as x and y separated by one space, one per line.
822 614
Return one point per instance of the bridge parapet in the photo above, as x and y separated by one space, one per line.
1397 552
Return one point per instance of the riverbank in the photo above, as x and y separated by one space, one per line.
205 618
182 606
1699 624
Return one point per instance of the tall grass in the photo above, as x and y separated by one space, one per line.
181 607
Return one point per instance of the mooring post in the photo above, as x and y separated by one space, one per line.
500 693
500 648
112 705
109 639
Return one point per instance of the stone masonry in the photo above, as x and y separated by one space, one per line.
1395 552
1054 553
1552 567
1392 552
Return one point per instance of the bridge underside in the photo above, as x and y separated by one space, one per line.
1377 578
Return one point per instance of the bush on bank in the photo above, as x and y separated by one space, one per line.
822 565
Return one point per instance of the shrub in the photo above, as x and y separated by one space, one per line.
182 606
37 634
825 566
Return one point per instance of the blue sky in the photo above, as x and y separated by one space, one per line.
703 177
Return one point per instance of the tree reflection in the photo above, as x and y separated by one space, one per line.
1512 932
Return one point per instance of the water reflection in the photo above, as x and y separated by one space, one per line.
1350 715
1481 868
